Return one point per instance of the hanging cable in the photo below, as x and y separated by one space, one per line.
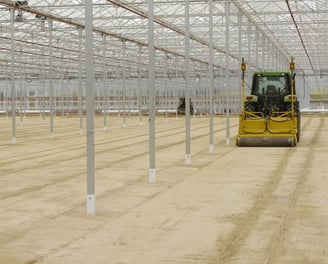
299 34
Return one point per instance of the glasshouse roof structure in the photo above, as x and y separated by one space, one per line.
48 37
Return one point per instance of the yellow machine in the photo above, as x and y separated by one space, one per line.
270 115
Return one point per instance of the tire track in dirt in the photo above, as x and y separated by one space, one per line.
203 260
276 239
235 240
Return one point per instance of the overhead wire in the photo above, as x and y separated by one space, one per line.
299 34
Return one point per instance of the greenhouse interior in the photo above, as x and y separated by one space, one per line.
149 106
43 43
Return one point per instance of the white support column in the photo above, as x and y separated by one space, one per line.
62 105
211 62
43 77
227 66
187 76
12 70
166 86
240 21
124 82
51 93
256 50
151 87
91 198
26 94
21 110
271 52
139 86
249 49
105 84
276 59
263 53
80 90
176 93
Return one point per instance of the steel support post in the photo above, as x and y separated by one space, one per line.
7 90
105 84
187 76
80 90
176 98
43 77
124 83
240 21
91 199
227 58
270 54
151 87
211 60
26 94
12 70
21 87
166 89
263 52
276 61
139 86
256 49
249 49
62 86
51 92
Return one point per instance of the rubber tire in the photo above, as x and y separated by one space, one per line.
298 134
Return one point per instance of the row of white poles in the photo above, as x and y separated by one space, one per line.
90 78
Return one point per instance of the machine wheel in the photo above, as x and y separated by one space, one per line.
294 142
237 141
298 135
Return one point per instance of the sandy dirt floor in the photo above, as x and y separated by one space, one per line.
237 205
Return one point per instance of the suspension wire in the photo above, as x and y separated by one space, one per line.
299 34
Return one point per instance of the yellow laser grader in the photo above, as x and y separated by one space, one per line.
270 115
